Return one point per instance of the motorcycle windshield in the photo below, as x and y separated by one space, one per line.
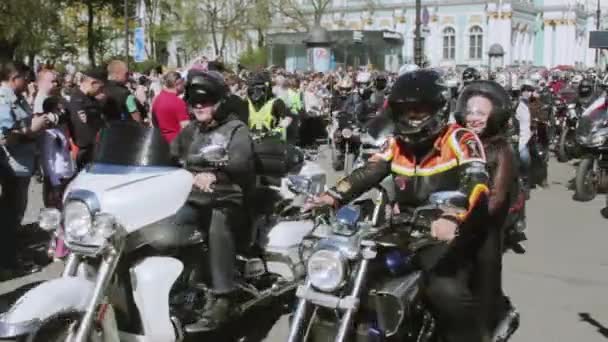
591 123
129 144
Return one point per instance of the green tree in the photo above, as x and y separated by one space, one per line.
25 27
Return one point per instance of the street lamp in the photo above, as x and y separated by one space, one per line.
418 58
127 32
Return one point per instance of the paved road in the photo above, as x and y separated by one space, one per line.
559 286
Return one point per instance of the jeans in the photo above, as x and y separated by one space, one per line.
525 159
13 203
222 223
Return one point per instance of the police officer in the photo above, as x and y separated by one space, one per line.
119 103
219 192
86 117
18 130
266 113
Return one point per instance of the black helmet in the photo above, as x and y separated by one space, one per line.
419 91
470 75
259 87
585 88
380 81
501 105
205 87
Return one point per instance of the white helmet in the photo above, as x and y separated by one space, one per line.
408 68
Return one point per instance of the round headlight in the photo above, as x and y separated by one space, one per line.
77 220
347 133
326 270
49 219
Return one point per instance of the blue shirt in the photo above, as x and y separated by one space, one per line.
15 113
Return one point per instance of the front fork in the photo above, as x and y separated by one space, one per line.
301 322
104 276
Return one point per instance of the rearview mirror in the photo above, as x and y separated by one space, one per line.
299 184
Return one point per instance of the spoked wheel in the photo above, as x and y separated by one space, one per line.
586 180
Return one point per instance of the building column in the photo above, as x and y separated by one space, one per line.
516 46
548 42
506 31
571 41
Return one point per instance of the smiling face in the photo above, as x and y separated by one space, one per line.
477 113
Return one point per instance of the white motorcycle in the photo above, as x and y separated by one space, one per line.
130 274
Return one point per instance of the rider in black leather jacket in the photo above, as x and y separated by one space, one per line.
222 185
427 156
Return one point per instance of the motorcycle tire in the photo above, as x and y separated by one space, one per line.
583 190
57 329
562 153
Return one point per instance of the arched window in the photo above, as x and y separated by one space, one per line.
449 43
475 42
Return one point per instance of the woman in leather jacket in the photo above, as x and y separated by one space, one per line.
217 148
485 108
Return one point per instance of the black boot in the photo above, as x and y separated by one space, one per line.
216 312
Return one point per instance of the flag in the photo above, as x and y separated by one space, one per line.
140 45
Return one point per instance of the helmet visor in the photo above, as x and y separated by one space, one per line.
257 92
202 97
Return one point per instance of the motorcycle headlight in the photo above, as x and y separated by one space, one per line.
49 219
326 270
84 232
597 140
347 133
78 221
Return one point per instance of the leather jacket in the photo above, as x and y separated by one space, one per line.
455 162
236 177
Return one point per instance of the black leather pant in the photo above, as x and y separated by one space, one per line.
13 203
453 300
221 223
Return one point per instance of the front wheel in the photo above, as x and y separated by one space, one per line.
562 148
585 181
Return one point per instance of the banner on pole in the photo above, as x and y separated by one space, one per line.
140 45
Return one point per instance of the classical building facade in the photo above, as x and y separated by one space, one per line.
455 32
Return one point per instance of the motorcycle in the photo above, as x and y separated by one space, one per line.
592 172
345 141
363 280
133 274
567 148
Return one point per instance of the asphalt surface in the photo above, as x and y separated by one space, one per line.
559 285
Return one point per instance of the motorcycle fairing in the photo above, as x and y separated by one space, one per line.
49 299
136 196
152 280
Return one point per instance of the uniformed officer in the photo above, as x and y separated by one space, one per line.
18 130
86 118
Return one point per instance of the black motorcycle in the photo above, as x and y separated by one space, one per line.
363 280
592 172
345 143
566 146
